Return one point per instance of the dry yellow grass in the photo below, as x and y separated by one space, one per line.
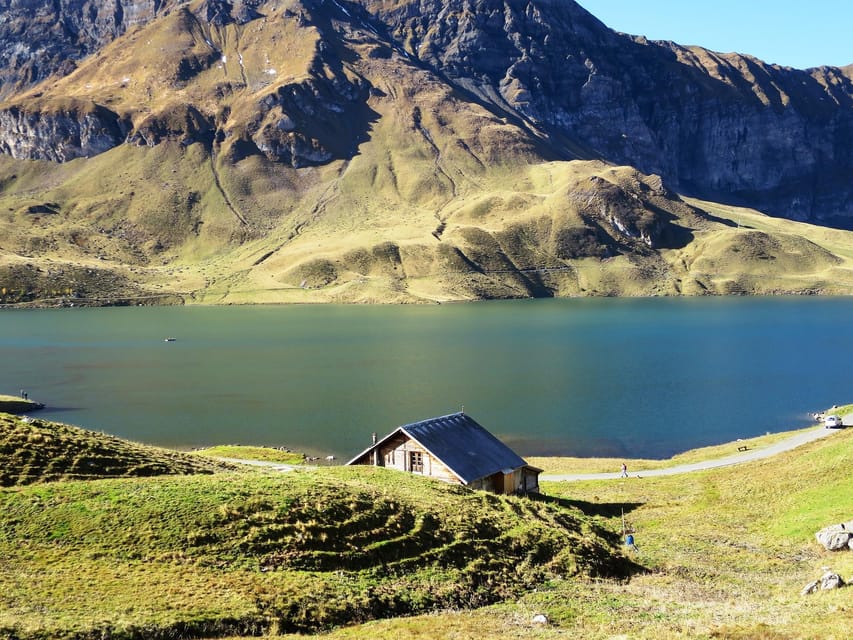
428 196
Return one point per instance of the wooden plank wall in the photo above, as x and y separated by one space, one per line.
395 455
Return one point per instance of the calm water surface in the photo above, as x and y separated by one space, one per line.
622 377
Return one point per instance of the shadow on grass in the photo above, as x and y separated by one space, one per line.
606 510
628 565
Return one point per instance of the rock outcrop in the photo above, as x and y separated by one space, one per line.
72 130
726 126
305 123
721 126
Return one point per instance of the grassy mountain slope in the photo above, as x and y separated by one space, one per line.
727 553
35 451
558 228
302 156
249 553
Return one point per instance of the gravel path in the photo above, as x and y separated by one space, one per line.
744 456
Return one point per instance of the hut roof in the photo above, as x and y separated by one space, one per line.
462 444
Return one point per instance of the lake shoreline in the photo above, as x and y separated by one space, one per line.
186 300
592 377
18 405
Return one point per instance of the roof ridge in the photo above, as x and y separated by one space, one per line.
428 420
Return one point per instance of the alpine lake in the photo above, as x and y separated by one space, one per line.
580 377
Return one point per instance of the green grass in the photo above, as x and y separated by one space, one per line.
560 465
605 465
372 552
743 535
726 553
300 551
33 450
240 452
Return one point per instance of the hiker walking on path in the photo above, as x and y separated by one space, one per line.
624 470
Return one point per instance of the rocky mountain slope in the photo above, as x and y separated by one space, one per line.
402 150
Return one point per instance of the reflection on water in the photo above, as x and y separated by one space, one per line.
639 378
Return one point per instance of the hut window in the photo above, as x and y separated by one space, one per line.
416 461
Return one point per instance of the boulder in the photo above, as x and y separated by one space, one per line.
836 537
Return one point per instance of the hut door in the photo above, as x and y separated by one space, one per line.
509 483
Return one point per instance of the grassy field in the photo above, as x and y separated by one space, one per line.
242 452
302 551
612 465
725 554
357 552
568 465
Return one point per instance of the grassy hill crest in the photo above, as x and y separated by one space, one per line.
36 451
259 552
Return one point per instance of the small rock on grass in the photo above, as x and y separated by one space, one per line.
811 587
829 580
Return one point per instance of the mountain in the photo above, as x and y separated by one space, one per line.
377 150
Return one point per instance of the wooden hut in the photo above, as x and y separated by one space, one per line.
456 449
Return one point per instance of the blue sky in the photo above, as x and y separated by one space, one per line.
787 32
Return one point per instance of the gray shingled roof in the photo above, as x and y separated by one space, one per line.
464 446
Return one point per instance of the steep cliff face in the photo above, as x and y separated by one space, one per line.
724 126
40 38
75 129
721 126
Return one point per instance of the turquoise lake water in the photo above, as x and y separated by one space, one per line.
621 377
